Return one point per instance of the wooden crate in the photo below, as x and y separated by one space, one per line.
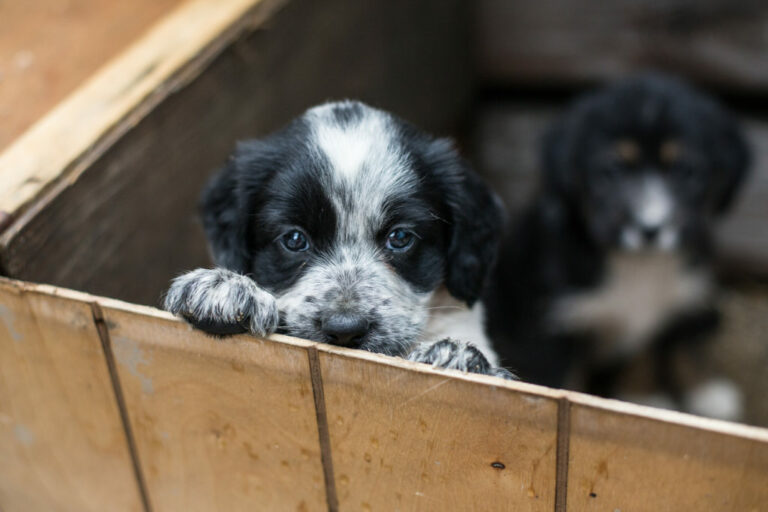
168 111
105 405
108 405
559 43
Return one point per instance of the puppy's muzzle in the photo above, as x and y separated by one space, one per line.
345 329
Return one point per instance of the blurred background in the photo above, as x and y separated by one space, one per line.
532 58
512 66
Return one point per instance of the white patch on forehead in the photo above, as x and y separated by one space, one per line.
366 143
367 161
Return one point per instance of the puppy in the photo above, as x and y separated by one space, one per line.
350 227
612 257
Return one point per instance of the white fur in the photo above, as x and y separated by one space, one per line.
653 206
221 296
450 318
631 238
368 164
364 165
716 398
355 278
641 290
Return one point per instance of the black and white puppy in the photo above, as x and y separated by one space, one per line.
612 257
351 227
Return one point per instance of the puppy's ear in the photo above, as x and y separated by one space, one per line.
476 222
225 207
733 159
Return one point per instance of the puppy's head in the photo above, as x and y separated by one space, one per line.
352 218
646 163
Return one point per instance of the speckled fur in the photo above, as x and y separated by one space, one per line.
345 174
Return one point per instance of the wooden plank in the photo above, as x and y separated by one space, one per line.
224 424
142 192
231 424
428 440
143 75
507 142
557 43
49 47
62 444
635 458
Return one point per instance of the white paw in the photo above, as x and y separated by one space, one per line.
222 302
716 398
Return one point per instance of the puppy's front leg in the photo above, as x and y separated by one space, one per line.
222 302
455 355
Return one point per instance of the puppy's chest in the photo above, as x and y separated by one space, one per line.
450 318
639 294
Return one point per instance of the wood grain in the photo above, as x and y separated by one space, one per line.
621 460
62 444
225 424
561 43
49 47
415 440
131 83
232 425
142 191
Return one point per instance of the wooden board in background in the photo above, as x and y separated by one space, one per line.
623 461
128 203
415 440
68 138
220 424
49 47
62 443
562 43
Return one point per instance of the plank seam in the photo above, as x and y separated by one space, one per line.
322 429
106 344
562 457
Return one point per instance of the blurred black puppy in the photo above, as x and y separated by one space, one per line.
612 256
350 227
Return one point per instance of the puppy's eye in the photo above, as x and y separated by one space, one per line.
628 151
669 152
400 240
295 241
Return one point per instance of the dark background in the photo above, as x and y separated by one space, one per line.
532 58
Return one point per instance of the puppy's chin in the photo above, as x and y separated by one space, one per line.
633 240
392 342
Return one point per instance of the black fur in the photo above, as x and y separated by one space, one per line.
344 177
561 243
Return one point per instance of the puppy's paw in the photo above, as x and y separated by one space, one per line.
456 355
716 398
222 302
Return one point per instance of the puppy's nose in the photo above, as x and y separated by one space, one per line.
650 233
345 329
